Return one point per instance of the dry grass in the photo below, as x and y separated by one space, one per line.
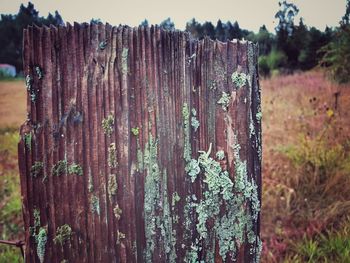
12 115
13 96
305 160
11 223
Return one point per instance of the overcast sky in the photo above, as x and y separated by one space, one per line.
250 14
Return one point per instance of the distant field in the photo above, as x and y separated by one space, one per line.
12 115
306 168
306 141
12 103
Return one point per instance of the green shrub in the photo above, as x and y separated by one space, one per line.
271 62
333 246
276 59
336 56
10 254
321 181
9 139
11 227
264 69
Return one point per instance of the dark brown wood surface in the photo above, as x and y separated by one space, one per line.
144 79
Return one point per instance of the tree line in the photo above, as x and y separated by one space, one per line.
293 46
11 32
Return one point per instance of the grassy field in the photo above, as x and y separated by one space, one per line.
12 114
306 168
12 103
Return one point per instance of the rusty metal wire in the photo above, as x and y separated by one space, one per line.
17 243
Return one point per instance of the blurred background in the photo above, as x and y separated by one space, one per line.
304 75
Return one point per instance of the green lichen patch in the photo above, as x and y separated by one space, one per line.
36 216
108 125
239 79
258 116
189 224
224 100
152 195
40 235
112 185
220 155
90 184
236 226
166 225
117 212
39 72
259 247
186 127
112 156
61 167
157 213
30 88
232 207
193 169
36 169
176 198
213 85
135 131
27 137
125 54
33 95
242 184
120 236
192 254
75 169
194 121
28 82
102 45
41 240
95 204
63 234
218 183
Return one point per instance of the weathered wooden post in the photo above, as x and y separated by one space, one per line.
141 145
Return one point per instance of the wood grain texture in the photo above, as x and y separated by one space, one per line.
145 79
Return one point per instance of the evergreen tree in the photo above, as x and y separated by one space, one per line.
209 30
144 23
336 54
236 31
265 40
95 21
220 31
194 28
167 24
284 29
296 43
309 55
346 18
11 32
